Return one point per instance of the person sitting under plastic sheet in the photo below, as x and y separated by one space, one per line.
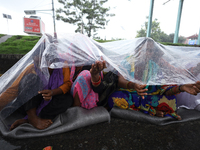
82 91
21 83
154 100
45 104
16 88
49 102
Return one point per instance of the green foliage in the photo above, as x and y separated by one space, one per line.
2 35
155 30
157 34
18 44
88 15
103 41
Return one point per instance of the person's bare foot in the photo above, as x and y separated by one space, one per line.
160 113
40 123
178 117
17 123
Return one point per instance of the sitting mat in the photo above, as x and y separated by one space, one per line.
186 115
73 118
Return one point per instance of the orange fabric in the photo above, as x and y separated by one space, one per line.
66 81
48 148
12 92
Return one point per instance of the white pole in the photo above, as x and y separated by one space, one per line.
54 24
7 24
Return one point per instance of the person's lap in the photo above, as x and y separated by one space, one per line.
159 105
59 104
82 86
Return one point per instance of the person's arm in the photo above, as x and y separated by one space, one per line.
96 81
95 72
47 94
66 81
64 88
192 89
123 83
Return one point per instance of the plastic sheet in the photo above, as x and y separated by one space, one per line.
140 60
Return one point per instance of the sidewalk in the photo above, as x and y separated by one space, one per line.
4 38
117 135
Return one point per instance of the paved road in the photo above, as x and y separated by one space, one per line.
4 38
117 135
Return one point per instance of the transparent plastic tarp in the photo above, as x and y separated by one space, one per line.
140 60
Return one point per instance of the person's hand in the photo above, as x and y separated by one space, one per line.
47 94
193 89
197 84
97 67
139 88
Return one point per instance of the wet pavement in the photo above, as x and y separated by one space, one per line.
117 135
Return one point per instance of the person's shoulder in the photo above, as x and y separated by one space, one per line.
31 66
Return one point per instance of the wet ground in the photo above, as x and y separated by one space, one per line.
117 135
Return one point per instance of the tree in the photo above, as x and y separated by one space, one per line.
157 34
88 15
155 30
171 37
164 37
181 39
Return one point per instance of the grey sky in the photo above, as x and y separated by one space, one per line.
130 16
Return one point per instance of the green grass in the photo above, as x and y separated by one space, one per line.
2 35
18 44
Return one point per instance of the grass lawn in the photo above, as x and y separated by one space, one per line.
19 44
2 35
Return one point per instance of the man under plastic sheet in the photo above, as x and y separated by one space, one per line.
78 49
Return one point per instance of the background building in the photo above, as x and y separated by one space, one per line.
192 40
